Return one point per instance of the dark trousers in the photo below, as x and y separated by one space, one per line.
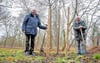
81 47
30 46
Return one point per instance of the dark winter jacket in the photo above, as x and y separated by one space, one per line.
77 29
31 23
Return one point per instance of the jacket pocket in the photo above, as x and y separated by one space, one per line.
28 30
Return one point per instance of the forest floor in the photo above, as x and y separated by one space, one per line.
8 55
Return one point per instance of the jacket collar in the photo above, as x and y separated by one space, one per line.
78 22
33 15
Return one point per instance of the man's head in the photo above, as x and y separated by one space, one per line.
34 12
78 19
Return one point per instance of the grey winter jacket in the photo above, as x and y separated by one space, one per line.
76 28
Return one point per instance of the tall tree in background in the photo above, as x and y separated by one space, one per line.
88 12
69 22
49 25
68 30
58 29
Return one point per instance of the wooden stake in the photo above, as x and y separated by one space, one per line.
67 38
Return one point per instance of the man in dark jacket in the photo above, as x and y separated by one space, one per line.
29 27
78 26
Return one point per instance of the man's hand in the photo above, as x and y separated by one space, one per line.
46 26
80 27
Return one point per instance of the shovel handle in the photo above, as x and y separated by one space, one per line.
82 36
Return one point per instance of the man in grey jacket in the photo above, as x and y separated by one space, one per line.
29 27
78 26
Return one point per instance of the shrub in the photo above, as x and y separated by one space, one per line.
97 56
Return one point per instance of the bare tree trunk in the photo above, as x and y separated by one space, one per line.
49 41
63 48
68 26
19 41
5 42
13 41
58 35
38 40
6 37
50 29
98 41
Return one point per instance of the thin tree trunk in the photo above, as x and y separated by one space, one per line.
63 48
50 29
38 40
67 36
49 44
58 35
6 38
98 41
13 41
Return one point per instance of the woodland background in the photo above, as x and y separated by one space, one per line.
58 14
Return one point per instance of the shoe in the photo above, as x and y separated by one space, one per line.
78 53
26 53
32 53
